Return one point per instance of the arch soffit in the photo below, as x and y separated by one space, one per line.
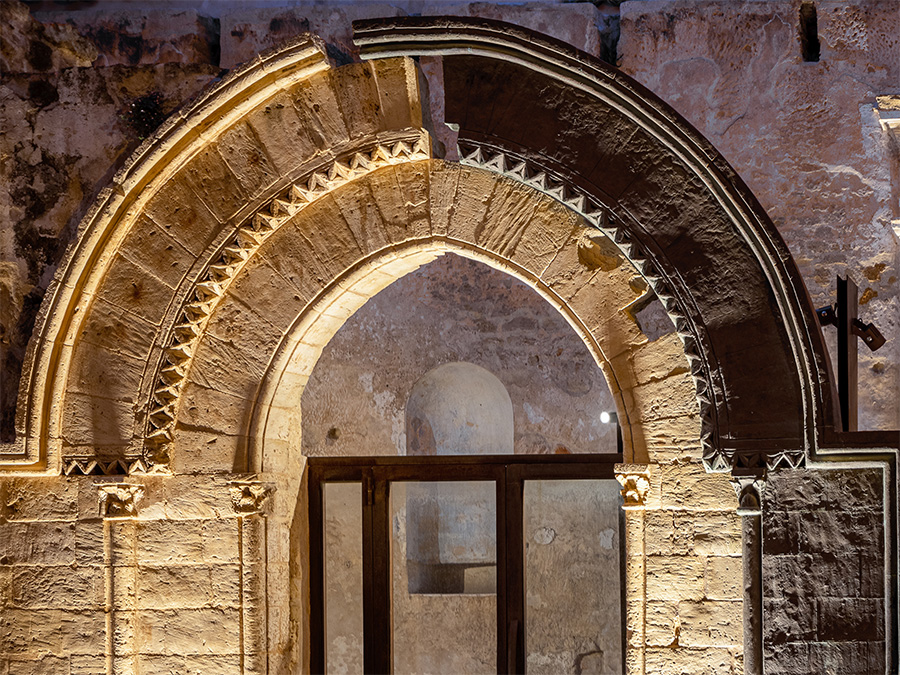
277 305
675 207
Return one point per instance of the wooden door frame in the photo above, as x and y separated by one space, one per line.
374 474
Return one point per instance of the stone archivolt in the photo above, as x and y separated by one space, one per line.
205 284
234 256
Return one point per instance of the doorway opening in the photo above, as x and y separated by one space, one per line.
546 596
463 511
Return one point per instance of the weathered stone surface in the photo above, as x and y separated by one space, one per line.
740 78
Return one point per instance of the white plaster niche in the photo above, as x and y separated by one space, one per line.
451 540
459 409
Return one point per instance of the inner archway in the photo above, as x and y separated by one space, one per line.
439 364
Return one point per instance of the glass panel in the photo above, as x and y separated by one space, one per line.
343 578
444 577
572 576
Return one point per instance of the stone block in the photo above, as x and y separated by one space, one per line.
711 623
58 587
272 299
675 396
200 451
150 247
708 661
789 618
185 218
45 665
789 658
846 658
174 632
197 498
443 181
214 184
675 577
107 373
174 587
781 532
668 532
848 619
114 329
37 543
277 126
39 499
212 665
724 578
219 540
531 237
247 159
689 486
63 632
159 664
357 95
168 542
840 531
89 420
87 664
133 289
660 623
213 410
717 533
397 81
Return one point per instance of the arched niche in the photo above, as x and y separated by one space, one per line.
459 408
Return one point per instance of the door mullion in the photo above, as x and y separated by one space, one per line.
381 570
316 573
514 626
369 578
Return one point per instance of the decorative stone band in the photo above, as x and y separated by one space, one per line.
602 217
228 262
119 500
749 491
249 497
635 482
92 466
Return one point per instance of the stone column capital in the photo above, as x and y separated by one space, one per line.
635 482
119 500
749 490
250 496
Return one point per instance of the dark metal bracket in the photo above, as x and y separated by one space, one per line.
843 315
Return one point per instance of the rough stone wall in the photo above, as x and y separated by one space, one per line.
823 564
805 136
455 309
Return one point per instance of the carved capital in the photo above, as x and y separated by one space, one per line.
749 490
635 482
250 496
119 500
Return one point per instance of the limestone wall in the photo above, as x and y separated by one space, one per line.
455 309
805 136
824 576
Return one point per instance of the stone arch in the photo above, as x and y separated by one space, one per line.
223 256
633 167
288 129
275 324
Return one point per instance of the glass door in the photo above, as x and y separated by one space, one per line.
465 564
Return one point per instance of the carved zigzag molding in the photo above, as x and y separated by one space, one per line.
600 216
227 264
